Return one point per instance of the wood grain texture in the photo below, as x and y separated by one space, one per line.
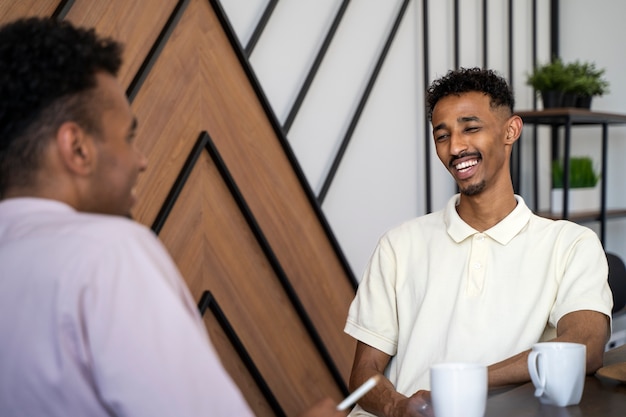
233 365
197 84
135 23
237 273
14 9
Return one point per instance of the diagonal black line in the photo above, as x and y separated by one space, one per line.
208 301
62 9
260 27
315 67
156 49
204 142
364 97
280 135
179 183
275 263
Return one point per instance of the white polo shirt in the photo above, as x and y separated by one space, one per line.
436 290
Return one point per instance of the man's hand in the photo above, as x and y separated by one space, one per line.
417 405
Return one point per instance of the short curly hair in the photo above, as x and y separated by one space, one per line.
465 80
47 76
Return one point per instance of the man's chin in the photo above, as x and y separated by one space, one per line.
472 189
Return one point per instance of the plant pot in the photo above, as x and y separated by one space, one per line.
551 99
583 102
569 100
580 200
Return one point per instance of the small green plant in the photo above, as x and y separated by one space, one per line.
581 173
582 78
553 76
587 79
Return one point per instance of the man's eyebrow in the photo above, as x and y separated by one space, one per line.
468 119
463 119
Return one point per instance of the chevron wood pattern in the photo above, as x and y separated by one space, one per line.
195 84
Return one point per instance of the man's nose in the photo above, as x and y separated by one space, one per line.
458 143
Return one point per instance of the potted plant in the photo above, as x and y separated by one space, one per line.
583 185
588 82
568 85
550 81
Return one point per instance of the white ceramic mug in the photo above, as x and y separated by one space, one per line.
557 370
458 389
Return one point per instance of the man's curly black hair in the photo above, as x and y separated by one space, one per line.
47 77
465 80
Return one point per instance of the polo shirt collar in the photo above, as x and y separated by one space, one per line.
502 232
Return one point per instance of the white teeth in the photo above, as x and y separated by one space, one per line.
466 164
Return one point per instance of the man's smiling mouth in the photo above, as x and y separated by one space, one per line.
466 164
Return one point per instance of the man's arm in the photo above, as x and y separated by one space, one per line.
590 328
383 399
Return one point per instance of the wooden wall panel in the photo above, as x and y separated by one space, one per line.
12 9
136 23
243 134
197 84
233 365
238 274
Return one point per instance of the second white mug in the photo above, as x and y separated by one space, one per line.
557 370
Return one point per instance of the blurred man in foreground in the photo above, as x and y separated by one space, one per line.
96 319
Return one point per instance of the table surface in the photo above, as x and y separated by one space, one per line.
601 398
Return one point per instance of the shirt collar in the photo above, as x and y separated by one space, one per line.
503 232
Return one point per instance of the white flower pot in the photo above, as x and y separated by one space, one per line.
580 200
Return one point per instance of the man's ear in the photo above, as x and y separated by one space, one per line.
514 129
76 148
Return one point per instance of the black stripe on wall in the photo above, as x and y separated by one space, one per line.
208 302
362 102
155 51
278 131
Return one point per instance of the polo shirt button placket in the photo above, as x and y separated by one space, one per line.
476 276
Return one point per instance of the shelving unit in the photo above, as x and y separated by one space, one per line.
566 118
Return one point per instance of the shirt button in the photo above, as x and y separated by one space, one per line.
477 265
480 237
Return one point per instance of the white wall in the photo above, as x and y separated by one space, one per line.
381 180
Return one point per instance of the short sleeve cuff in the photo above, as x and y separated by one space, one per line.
363 335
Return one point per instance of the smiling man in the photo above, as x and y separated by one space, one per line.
481 280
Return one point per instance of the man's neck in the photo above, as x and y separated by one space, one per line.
485 210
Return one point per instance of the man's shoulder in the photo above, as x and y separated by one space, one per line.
107 227
418 226
25 219
566 232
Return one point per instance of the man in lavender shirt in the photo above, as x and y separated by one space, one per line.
94 316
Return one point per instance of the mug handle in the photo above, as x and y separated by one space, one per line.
538 378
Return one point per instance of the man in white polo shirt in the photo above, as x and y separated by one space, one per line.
481 280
